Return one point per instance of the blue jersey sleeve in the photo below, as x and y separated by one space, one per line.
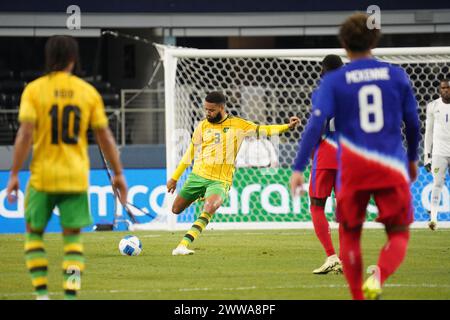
410 118
323 107
314 97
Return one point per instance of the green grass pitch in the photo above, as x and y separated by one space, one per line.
257 264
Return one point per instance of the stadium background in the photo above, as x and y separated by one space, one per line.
118 58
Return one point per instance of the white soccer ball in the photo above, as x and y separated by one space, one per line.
130 246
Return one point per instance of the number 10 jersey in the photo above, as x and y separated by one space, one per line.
62 107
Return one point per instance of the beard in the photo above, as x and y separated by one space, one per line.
216 119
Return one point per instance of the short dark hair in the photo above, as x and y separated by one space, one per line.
59 52
215 97
331 62
446 80
355 36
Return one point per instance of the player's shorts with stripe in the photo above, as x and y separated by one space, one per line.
321 183
73 209
197 187
394 205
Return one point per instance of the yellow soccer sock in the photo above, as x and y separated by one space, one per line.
73 265
196 229
37 262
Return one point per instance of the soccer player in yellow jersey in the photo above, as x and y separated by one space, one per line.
56 111
214 147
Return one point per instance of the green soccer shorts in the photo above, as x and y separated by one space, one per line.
73 209
197 187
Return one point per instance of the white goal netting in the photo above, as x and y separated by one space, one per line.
267 87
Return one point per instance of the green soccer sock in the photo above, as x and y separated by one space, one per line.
37 262
197 228
73 265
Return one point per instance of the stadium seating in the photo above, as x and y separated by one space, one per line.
6 74
30 75
11 87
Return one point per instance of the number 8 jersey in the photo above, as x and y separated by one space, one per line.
369 100
62 107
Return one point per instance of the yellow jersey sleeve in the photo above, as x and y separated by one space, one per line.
184 163
98 118
188 156
272 129
27 109
251 128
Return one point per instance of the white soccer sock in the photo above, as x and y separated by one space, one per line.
433 214
435 201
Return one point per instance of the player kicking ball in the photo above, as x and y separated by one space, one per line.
322 179
215 144
369 99
437 146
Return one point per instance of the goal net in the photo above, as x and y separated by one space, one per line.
267 87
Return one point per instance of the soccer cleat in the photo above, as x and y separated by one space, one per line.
43 297
182 251
372 288
337 269
330 264
432 225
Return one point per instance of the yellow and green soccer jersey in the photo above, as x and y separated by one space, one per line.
62 107
215 146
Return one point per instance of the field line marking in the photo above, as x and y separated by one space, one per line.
317 286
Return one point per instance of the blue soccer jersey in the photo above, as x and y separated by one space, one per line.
325 151
369 100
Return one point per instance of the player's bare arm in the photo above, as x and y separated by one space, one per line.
22 147
106 142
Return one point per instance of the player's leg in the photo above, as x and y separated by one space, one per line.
396 213
215 194
320 187
212 203
193 189
38 210
36 261
340 232
394 251
73 263
180 204
321 225
351 211
74 215
439 168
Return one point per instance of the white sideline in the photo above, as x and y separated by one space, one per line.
268 225
329 286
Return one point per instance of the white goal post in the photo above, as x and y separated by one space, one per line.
268 86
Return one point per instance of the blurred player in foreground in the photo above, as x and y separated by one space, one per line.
55 113
369 99
323 178
437 146
215 144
